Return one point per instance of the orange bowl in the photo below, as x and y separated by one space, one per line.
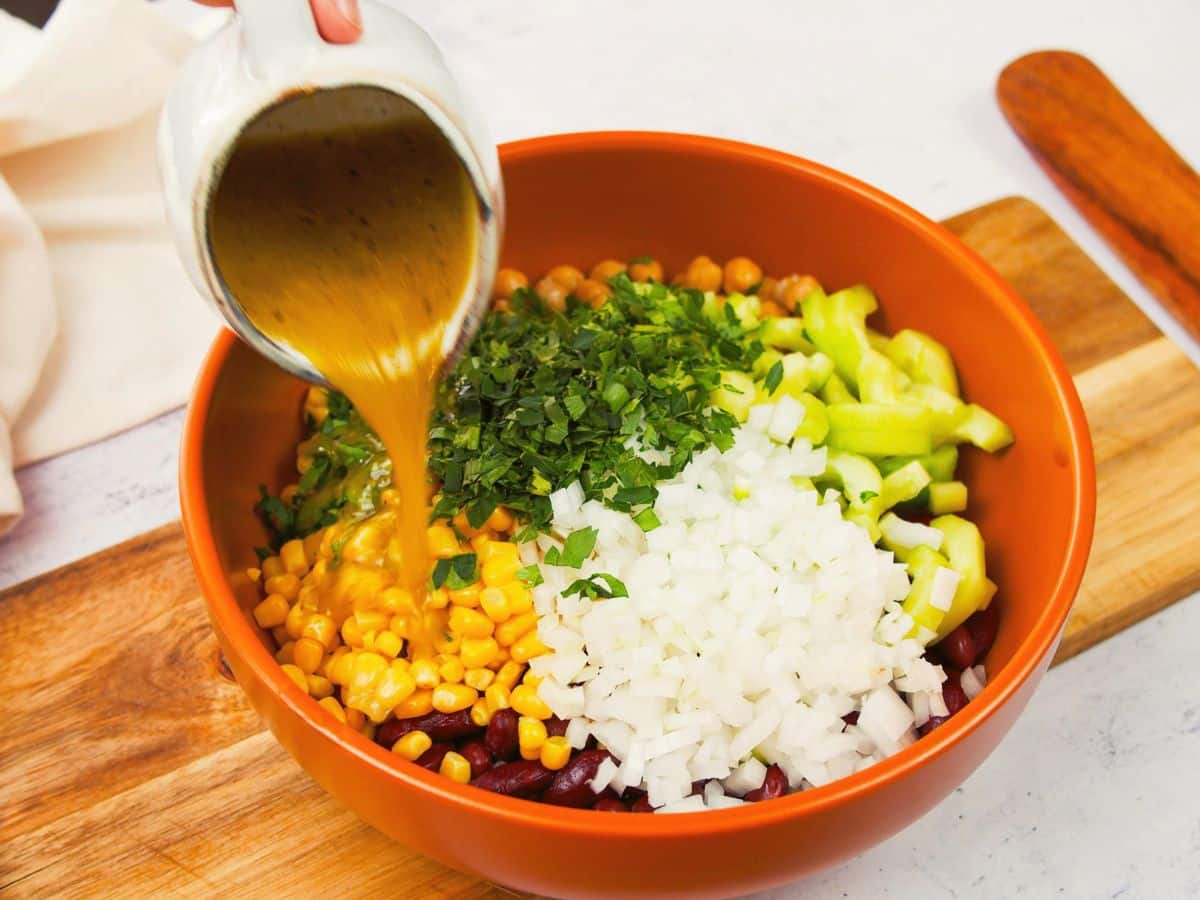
584 197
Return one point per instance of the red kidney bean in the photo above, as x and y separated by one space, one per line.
642 805
431 759
478 756
438 725
610 804
983 627
555 727
932 723
952 692
570 786
522 778
501 735
851 718
958 648
775 784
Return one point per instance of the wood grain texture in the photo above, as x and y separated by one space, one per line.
1140 194
131 766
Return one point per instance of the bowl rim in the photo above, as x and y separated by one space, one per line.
228 616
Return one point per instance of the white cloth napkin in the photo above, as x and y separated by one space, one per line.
99 327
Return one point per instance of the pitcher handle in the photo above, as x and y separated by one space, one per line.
274 32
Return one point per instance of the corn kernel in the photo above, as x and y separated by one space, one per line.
469 623
530 679
425 674
442 541
254 574
351 633
448 643
371 620
481 713
331 705
272 566
438 599
368 730
298 676
525 700
500 550
476 653
389 644
294 559
555 753
418 703
515 628
455 767
399 626
312 546
322 629
452 670
495 604
390 497
295 621
467 596
500 570
355 719
500 519
509 674
320 686
497 697
520 598
479 679
281 636
528 647
463 525
479 541
307 655
284 653
342 669
286 584
531 735
413 744
502 656
272 612
448 698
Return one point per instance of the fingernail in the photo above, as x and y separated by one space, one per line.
349 11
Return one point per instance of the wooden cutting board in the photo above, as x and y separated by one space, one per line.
130 764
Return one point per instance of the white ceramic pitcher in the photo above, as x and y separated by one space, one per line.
269 64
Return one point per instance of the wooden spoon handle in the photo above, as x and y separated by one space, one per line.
1127 181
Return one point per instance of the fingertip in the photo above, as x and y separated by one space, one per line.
338 21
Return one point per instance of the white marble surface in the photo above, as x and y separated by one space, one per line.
1096 792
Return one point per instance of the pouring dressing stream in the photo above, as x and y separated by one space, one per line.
354 246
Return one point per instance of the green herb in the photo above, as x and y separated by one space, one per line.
774 378
543 399
576 548
456 573
263 553
646 519
531 575
593 589
867 495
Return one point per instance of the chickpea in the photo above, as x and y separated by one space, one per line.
568 276
702 274
741 274
507 281
772 310
606 269
767 289
501 305
592 292
650 270
553 293
793 289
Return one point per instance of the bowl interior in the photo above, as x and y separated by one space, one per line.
673 198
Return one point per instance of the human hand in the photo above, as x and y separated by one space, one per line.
338 21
